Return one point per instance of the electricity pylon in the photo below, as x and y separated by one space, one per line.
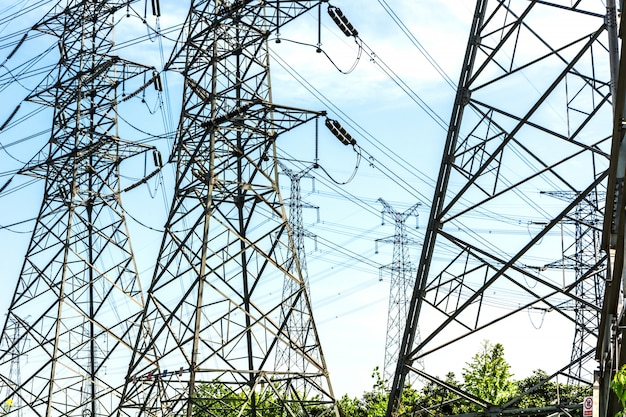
297 324
532 111
402 282
590 269
16 360
214 304
74 314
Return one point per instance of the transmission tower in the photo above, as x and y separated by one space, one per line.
75 309
589 266
12 329
213 306
532 111
402 282
297 322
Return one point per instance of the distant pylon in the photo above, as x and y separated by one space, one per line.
12 330
402 282
76 305
590 268
296 321
215 301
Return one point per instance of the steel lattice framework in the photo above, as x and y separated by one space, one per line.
75 310
584 257
213 305
297 321
612 332
402 281
532 112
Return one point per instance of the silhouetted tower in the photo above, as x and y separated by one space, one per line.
402 282
17 357
584 257
76 306
297 324
532 112
214 304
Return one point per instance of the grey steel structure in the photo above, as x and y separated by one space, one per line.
297 322
215 306
402 282
610 351
585 258
532 112
73 318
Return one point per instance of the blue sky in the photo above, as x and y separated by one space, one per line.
401 151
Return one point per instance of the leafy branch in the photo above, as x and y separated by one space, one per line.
6 407
618 385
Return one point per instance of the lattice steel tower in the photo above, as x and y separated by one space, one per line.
75 310
584 257
214 304
402 283
297 324
532 112
15 359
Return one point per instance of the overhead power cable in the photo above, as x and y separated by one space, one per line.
405 165
348 29
416 43
376 59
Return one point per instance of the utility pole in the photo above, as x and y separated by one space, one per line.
215 306
533 109
74 313
402 282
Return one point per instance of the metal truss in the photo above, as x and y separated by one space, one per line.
611 351
297 321
532 112
214 306
584 256
402 281
74 315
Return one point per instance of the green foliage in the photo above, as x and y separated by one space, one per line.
488 375
5 409
435 397
374 403
217 399
351 407
543 393
376 400
618 385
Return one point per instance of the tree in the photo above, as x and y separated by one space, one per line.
618 385
434 399
217 399
542 392
351 407
488 375
376 400
374 403
6 407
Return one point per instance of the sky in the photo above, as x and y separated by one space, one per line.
390 98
